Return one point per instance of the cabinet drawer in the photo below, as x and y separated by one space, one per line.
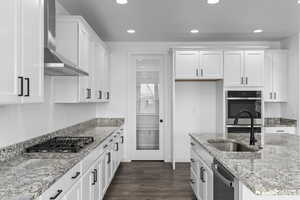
60 188
289 130
92 157
201 152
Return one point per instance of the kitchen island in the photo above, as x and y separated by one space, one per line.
272 173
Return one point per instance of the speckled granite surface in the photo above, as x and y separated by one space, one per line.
280 122
27 176
275 172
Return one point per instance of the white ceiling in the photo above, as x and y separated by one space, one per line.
171 20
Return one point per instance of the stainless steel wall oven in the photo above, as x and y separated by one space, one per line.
236 101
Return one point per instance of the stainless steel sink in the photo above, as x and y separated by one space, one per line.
231 146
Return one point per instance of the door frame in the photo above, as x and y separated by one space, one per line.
131 137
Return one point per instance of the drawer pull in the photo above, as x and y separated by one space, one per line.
57 194
76 175
122 139
280 131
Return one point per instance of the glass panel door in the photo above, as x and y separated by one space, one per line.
148 83
147 110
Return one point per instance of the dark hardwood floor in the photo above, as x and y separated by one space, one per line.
150 181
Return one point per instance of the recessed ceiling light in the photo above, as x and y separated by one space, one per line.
122 2
130 31
194 31
258 31
213 1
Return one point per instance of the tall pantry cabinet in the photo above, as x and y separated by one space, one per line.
22 51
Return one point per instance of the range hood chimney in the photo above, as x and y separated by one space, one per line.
55 64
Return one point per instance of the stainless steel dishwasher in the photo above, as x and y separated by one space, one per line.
223 182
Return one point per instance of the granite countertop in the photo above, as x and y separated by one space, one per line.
274 170
27 176
280 122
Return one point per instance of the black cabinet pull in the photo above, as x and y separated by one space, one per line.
95 176
107 95
109 158
76 175
122 139
22 86
28 87
100 94
89 93
117 146
57 194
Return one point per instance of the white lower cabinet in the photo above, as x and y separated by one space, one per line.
201 173
90 183
74 193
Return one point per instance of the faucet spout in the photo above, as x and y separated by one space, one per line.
252 133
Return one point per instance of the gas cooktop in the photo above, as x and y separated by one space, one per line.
61 145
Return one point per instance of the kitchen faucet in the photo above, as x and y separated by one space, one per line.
252 134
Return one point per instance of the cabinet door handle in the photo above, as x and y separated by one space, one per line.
57 194
242 80
100 94
95 176
28 87
76 175
117 146
246 80
201 72
21 86
107 95
197 72
122 139
109 158
275 95
89 93
271 95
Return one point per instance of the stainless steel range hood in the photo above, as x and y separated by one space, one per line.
56 64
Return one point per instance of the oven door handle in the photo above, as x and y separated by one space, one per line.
219 175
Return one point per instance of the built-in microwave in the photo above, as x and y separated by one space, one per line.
237 101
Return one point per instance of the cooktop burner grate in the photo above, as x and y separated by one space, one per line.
61 145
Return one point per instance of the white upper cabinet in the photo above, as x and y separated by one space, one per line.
187 64
21 79
276 62
32 51
233 68
254 68
77 41
211 64
197 65
244 68
9 51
